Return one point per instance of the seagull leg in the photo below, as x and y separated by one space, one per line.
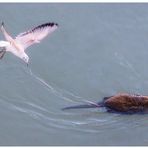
2 53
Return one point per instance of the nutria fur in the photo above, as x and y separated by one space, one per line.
121 102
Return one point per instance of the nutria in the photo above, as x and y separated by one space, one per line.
121 103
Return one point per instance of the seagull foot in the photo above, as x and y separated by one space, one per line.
2 53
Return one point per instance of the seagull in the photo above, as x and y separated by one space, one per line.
21 42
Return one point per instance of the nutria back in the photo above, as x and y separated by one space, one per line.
127 103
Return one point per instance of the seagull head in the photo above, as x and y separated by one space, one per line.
25 58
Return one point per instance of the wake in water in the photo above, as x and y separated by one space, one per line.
125 63
64 94
62 120
83 121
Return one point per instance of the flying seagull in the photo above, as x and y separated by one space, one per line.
18 45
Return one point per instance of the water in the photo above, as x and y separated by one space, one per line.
98 51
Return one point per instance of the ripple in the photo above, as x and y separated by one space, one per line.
93 120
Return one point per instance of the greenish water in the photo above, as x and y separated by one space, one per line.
98 50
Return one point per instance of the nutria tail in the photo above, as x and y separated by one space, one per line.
90 105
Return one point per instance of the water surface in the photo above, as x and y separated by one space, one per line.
98 51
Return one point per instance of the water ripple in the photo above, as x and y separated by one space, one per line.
90 120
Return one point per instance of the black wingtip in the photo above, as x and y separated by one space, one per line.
53 24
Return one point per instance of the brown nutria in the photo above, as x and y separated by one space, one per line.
121 103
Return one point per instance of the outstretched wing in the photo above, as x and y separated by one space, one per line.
36 34
6 34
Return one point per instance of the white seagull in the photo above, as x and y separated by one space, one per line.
18 45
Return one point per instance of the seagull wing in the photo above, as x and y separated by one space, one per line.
6 34
36 34
4 44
